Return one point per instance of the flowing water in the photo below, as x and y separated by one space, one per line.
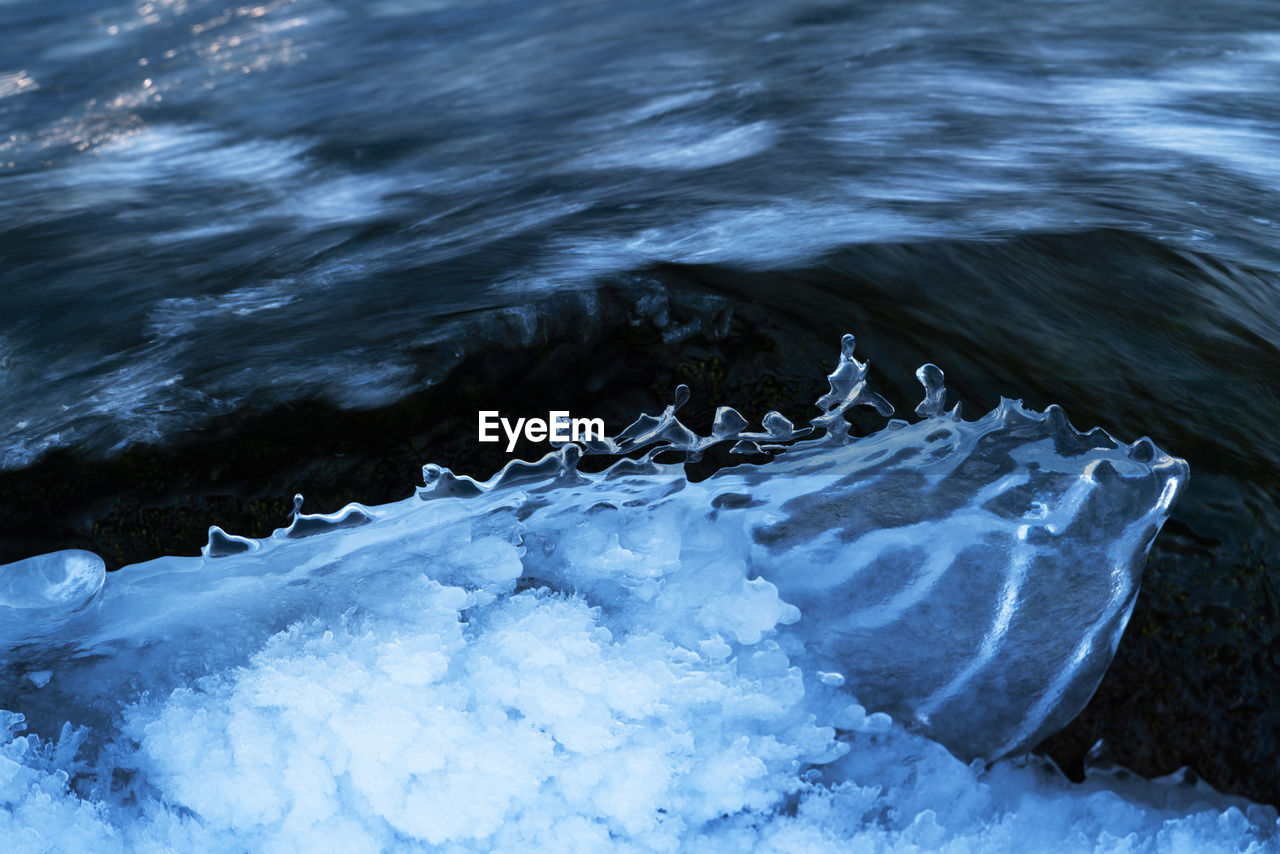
200 197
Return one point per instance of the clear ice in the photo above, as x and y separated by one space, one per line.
829 649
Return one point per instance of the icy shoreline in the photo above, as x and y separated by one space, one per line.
552 660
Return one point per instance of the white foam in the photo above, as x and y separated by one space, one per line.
681 146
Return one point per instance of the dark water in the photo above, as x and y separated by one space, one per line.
210 209
207 206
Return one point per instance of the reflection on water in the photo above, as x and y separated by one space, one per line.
199 196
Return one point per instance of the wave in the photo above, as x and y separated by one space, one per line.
830 644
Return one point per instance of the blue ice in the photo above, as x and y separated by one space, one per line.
850 646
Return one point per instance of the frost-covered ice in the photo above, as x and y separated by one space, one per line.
625 661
